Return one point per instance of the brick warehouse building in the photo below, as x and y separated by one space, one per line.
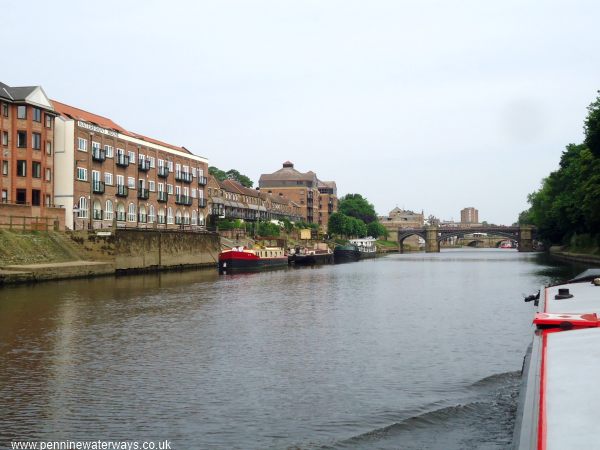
107 174
317 199
26 156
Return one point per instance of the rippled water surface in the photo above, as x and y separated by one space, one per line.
410 351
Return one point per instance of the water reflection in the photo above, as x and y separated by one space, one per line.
303 357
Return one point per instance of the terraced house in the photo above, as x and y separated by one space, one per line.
229 199
109 175
26 157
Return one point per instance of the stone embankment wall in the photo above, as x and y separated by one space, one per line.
150 249
582 258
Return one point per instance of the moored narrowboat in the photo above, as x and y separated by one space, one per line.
243 259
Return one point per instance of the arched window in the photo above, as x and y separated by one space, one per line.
178 217
142 217
170 215
131 213
151 215
108 210
201 219
194 217
97 210
83 208
120 212
161 215
186 218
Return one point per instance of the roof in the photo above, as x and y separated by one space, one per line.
34 95
239 188
74 113
287 172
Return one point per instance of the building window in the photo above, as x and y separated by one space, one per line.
131 157
82 212
151 186
194 217
151 215
37 114
82 144
48 118
21 139
5 109
131 182
48 147
169 215
48 175
131 213
108 210
82 174
36 169
5 138
48 201
4 196
36 197
170 163
109 151
4 167
36 141
170 189
96 146
21 196
21 168
193 193
152 161
108 178
194 172
21 112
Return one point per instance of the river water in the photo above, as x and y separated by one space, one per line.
413 351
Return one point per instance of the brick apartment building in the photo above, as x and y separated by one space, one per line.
469 216
107 174
26 155
317 199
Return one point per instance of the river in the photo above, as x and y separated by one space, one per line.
413 351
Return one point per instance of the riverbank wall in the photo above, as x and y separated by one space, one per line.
565 255
31 257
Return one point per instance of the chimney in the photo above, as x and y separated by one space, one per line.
288 164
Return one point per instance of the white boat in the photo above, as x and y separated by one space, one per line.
366 247
560 391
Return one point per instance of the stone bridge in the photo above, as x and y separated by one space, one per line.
433 235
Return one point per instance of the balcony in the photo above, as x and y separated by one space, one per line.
162 196
186 177
98 154
163 171
143 165
122 191
202 202
120 216
202 181
98 187
122 161
143 194
183 200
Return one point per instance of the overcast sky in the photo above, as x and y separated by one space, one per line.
426 105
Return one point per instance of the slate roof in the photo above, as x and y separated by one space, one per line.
15 94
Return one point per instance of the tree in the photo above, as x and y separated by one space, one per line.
231 174
337 223
354 205
376 230
592 127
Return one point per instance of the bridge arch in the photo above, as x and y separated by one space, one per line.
403 234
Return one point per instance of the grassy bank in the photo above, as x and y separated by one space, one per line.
35 247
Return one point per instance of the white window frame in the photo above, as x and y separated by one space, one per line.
131 157
82 174
121 180
131 182
109 151
131 213
170 189
151 185
82 213
82 144
108 210
108 178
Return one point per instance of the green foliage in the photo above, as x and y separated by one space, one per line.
344 225
267 229
226 224
569 200
354 205
592 127
231 174
375 229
